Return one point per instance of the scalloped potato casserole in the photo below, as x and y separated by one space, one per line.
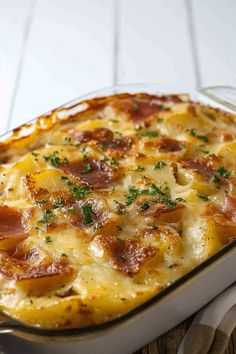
105 207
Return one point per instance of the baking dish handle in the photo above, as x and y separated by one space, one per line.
224 95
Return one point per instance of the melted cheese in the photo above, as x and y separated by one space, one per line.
105 208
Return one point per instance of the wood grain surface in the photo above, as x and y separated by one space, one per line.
169 342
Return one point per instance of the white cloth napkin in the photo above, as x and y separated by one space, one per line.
211 328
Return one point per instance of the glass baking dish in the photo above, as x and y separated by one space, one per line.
167 308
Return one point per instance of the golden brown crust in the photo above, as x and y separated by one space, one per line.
12 229
97 174
125 255
104 139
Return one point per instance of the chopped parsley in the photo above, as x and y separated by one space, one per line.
132 195
120 208
58 203
110 160
154 190
166 200
119 134
72 210
87 214
119 228
84 153
139 169
206 152
68 139
78 191
179 199
120 240
55 160
130 143
203 197
122 259
87 168
77 145
159 165
199 136
154 227
69 142
102 146
144 206
169 264
64 177
43 201
182 146
96 225
149 135
47 239
47 216
113 161
64 255
34 154
219 173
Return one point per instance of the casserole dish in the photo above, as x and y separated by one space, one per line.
129 331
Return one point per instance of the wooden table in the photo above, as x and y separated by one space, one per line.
169 342
52 51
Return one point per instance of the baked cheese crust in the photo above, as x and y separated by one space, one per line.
104 206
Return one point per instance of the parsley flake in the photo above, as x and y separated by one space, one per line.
119 228
58 203
34 154
144 206
149 135
132 195
179 199
72 210
120 208
203 197
55 160
43 201
159 165
120 240
87 214
97 225
102 146
219 173
47 239
47 216
139 169
154 227
87 168
166 200
199 136
122 259
154 190
78 191
110 160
